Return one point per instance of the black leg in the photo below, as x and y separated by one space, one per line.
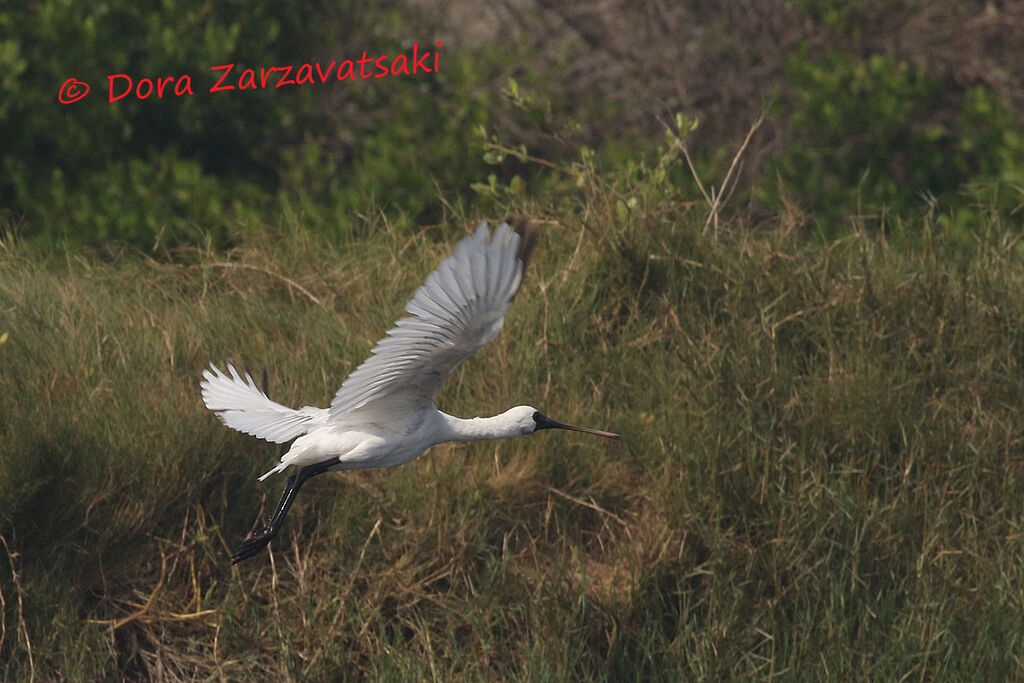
260 539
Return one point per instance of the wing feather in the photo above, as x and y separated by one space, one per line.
459 308
241 405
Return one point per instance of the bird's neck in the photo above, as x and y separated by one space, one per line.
479 428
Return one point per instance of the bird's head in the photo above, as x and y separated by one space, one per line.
529 420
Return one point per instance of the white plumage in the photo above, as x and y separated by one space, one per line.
384 414
241 405
458 309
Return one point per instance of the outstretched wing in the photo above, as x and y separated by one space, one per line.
241 405
459 308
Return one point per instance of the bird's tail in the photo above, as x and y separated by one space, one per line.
241 405
279 467
299 454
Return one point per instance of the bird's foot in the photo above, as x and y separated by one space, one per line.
254 544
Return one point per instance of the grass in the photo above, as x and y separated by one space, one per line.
821 476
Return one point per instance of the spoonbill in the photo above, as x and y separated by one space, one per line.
384 414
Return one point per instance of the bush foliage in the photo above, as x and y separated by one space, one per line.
182 169
878 139
860 123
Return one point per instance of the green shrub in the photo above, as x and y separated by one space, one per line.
878 136
178 169
78 170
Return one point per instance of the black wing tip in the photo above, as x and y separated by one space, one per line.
264 385
528 231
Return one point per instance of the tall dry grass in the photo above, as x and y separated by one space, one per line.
820 476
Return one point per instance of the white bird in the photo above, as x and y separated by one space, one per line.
384 414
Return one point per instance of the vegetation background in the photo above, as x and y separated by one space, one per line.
782 255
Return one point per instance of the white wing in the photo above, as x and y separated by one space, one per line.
459 308
241 405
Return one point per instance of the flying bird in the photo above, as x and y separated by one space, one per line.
384 414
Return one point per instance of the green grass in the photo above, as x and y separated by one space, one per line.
821 475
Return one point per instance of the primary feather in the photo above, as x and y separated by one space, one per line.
459 308
241 405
